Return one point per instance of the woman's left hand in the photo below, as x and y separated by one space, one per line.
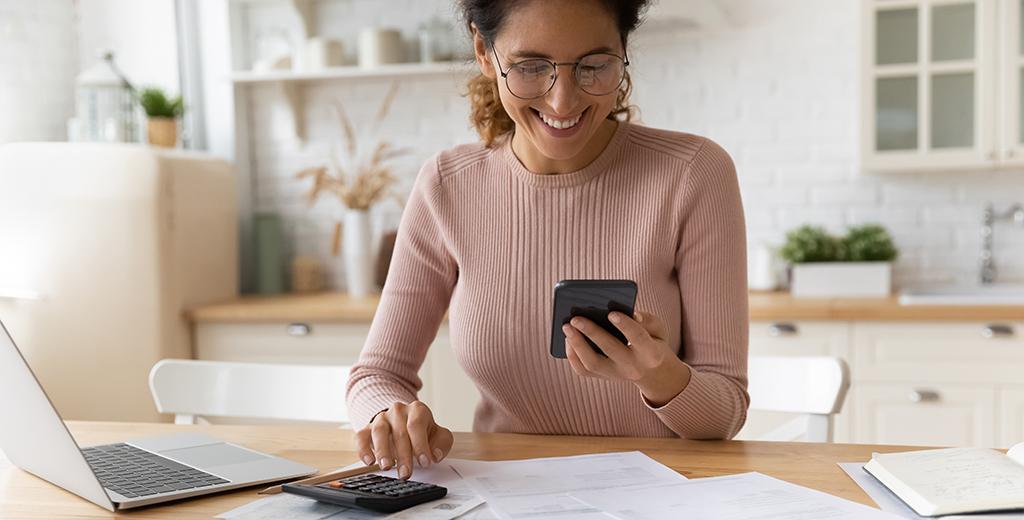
647 361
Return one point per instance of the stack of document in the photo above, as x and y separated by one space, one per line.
608 486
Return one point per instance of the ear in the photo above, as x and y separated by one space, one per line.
484 57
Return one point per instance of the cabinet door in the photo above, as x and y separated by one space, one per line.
1011 416
795 338
1012 80
927 84
925 414
450 393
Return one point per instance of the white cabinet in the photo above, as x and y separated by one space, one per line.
931 79
798 338
1011 413
452 396
1011 81
925 414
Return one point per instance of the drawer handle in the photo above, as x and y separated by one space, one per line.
923 396
299 329
782 329
997 331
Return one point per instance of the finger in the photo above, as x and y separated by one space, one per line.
364 446
380 433
635 333
400 437
610 345
576 364
441 441
591 361
420 421
652 324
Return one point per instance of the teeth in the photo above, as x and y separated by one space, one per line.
560 124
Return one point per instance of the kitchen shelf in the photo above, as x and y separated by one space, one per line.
290 82
397 70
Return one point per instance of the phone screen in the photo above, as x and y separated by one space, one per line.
591 299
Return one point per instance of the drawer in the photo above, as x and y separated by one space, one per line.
799 338
299 342
964 352
1011 416
925 414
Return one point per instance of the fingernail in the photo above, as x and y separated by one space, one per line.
385 463
403 471
637 317
438 455
368 459
615 317
424 461
567 330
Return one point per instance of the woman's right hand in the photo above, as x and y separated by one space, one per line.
402 434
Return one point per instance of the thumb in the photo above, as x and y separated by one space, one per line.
441 441
652 324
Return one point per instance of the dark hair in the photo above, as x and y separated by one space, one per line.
486 112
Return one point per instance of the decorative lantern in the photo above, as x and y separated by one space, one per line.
105 105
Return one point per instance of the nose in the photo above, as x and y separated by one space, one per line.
564 94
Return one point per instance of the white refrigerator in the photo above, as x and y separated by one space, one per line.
102 247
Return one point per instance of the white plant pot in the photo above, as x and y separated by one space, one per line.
842 279
357 250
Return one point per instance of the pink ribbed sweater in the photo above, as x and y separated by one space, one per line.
485 239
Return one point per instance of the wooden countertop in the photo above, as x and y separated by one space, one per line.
768 306
813 465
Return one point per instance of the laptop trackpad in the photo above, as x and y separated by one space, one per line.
212 455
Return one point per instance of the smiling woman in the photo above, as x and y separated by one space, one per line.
561 186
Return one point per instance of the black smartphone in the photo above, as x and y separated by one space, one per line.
591 299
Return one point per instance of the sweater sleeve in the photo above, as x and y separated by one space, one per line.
712 273
416 295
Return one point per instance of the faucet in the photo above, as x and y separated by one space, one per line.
1013 214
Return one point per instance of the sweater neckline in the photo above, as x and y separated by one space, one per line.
574 178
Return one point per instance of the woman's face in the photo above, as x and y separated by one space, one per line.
563 32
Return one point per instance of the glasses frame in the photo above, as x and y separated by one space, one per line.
555 65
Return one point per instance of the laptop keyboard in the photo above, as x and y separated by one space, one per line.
134 473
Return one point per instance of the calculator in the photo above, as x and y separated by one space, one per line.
373 492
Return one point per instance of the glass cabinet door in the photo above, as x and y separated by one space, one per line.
928 69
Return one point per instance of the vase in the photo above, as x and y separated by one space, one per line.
162 131
357 250
842 279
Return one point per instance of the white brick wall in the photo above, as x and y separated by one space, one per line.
37 69
778 91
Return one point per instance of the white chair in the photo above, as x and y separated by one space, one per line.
193 390
814 387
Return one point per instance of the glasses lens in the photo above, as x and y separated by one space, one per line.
531 78
600 74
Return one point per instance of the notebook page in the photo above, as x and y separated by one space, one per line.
1017 453
965 476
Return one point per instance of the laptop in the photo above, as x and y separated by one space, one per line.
124 475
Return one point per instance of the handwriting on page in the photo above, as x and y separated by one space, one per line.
959 474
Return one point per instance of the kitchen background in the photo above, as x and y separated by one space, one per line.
791 88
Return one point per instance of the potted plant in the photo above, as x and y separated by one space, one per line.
359 178
161 116
858 264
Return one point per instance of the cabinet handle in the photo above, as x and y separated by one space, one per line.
1010 154
997 331
923 396
782 329
299 329
993 155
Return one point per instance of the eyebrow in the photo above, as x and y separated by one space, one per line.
535 54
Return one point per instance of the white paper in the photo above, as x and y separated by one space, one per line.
888 501
460 499
747 496
535 488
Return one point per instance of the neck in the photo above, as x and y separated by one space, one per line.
538 163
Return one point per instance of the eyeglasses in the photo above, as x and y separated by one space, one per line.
597 74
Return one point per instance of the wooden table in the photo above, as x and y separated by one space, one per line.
813 465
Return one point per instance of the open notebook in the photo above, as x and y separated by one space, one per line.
953 480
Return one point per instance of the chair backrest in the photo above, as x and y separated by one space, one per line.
814 387
191 389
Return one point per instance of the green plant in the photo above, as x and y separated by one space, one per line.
869 243
156 104
811 244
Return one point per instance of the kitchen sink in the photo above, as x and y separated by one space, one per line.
998 294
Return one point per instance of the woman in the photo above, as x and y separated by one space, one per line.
561 189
